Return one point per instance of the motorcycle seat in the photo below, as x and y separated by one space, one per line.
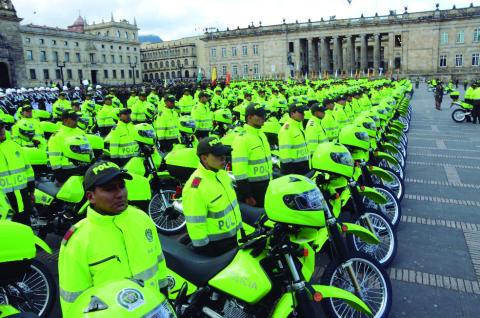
48 187
250 214
197 269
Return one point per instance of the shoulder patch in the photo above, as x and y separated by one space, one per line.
196 182
68 234
287 126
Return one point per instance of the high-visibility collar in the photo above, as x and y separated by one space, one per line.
97 218
251 129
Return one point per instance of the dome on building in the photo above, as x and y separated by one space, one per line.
79 21
78 25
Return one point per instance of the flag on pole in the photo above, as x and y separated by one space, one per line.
336 73
228 78
214 76
199 75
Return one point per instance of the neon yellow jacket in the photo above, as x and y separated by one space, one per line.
101 248
315 134
203 117
167 124
122 141
292 142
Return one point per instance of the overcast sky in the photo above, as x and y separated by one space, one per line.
174 19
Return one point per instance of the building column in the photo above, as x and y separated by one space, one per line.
363 52
376 53
351 54
311 56
337 54
325 48
298 60
391 57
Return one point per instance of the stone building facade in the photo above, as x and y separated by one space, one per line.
170 60
444 43
105 53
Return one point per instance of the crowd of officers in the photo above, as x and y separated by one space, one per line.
306 114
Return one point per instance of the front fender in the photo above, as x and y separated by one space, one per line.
386 156
372 194
364 234
284 305
389 147
381 173
42 244
393 138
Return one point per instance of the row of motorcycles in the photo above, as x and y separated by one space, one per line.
331 263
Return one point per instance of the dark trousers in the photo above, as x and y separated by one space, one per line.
476 111
167 144
301 167
256 190
200 134
21 217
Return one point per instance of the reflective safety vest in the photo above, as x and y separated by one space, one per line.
315 134
330 125
107 116
153 99
210 206
139 111
186 103
340 115
59 106
55 145
166 125
131 101
122 141
15 170
203 117
292 142
103 248
251 156
89 106
476 94
116 102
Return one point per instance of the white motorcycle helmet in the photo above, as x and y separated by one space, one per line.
89 89
98 87
77 88
65 88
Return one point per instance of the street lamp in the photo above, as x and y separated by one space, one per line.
133 66
61 66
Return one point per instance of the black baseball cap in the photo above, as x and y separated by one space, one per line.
213 146
327 101
26 108
317 108
101 173
295 108
203 94
255 109
69 113
125 111
170 98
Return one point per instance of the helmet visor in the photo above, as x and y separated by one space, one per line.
307 201
82 149
369 125
344 158
27 133
361 135
147 133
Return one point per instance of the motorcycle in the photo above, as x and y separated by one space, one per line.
462 111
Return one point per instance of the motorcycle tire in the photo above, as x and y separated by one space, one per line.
392 209
43 282
458 115
373 278
397 186
166 218
385 251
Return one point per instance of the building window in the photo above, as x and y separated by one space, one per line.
234 70
245 69
55 56
113 59
42 41
105 73
130 74
172 63
128 48
121 59
185 62
46 74
118 34
43 56
136 59
58 74
224 70
67 57
476 35
27 40
443 61
224 52
156 65
80 75
111 47
255 49
129 59
444 38
145 66
77 44
167 64
150 65
460 37
398 40
244 50
33 74
137 73
458 60
104 58
475 59
29 55
234 51
78 57
122 73
255 69
103 46
213 52
69 74
92 58
126 35
54 42
114 74
65 43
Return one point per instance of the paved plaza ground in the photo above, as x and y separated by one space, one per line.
436 272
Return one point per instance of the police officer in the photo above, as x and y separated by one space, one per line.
16 178
210 204
314 131
121 139
107 116
294 155
329 124
114 241
186 102
132 99
475 101
202 116
60 105
62 167
167 125
251 158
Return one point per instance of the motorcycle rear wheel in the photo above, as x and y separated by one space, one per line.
166 218
458 115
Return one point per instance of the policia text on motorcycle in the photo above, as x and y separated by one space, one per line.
114 241
210 204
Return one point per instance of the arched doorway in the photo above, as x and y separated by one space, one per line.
4 76
187 74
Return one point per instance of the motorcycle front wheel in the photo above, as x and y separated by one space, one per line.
458 115
36 292
392 209
375 287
